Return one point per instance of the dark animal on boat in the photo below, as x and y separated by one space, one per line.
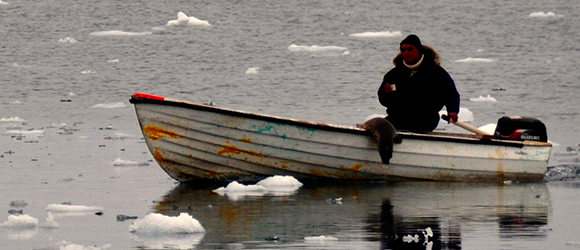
385 134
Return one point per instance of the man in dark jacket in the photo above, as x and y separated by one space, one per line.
417 89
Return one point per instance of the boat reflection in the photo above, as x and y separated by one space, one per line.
406 215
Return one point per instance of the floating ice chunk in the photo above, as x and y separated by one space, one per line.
337 201
72 208
409 238
67 40
12 120
113 61
475 60
320 238
465 115
64 245
159 29
20 221
235 187
252 71
274 185
3 3
168 241
119 136
16 102
184 20
119 33
236 191
280 183
487 98
377 34
428 232
37 132
123 163
346 53
109 105
157 224
544 15
314 48
429 245
50 223
488 128
236 246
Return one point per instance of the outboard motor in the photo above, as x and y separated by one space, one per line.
520 128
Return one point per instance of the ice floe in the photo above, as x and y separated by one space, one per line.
109 105
119 33
20 221
544 14
489 128
32 132
235 188
113 61
50 222
409 238
475 60
184 20
65 245
11 120
64 208
124 163
280 183
487 98
168 241
252 71
159 224
465 115
3 3
119 136
67 40
377 34
314 48
274 185
320 238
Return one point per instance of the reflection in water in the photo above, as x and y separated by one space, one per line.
370 216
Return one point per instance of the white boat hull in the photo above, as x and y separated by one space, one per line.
193 141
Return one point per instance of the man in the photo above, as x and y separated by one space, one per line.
417 89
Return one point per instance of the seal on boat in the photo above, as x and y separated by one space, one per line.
385 134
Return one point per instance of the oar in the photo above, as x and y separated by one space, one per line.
480 133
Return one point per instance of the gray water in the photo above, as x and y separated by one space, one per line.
73 85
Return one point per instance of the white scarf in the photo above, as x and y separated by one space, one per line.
415 66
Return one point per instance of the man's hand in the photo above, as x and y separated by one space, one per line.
388 88
452 117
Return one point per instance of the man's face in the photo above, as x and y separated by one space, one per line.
410 54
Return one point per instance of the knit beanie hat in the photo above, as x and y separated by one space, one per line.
415 41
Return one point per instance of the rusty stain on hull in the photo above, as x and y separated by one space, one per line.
155 132
356 167
159 157
230 149
248 140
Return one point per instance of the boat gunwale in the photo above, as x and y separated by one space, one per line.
138 98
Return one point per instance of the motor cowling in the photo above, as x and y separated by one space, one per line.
520 128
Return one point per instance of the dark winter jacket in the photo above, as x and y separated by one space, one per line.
418 98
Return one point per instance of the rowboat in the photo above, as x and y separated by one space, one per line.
195 141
